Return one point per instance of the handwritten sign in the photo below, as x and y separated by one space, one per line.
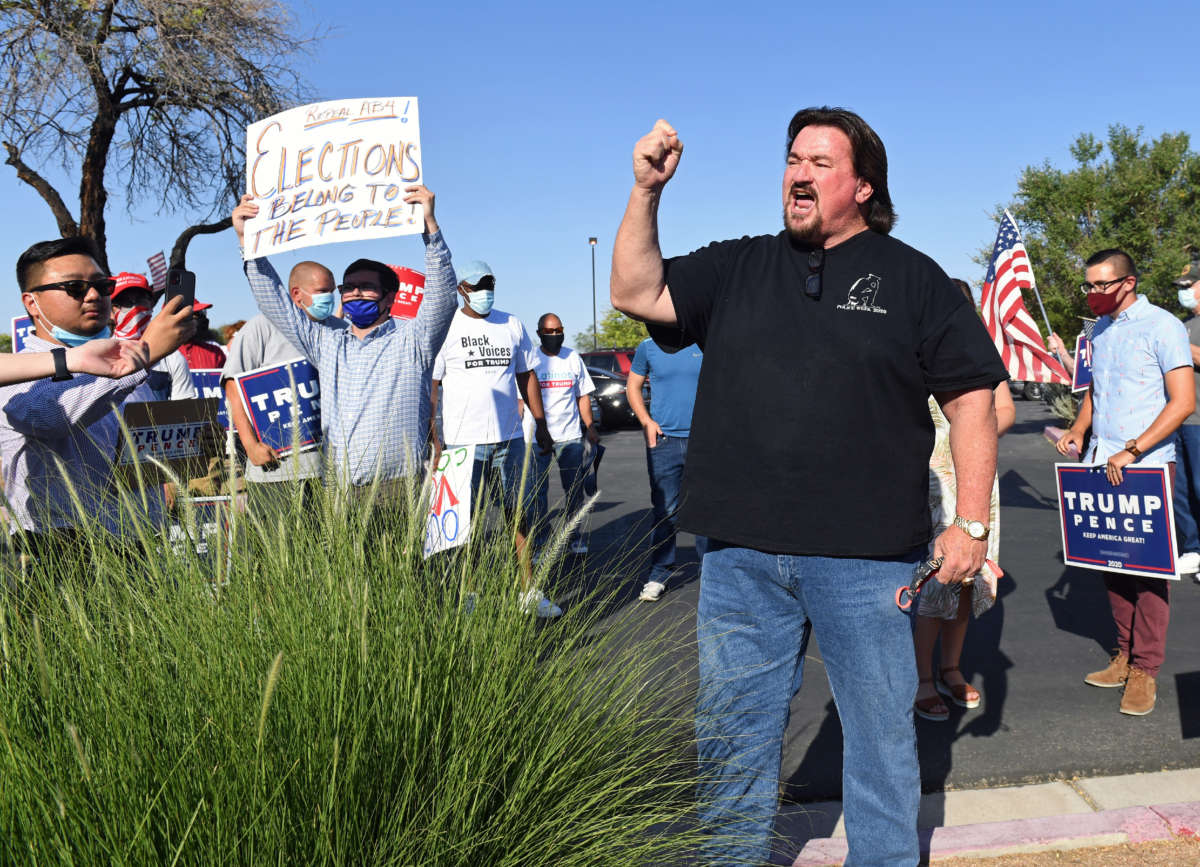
448 524
333 171
208 384
1082 379
1127 528
284 404
22 327
410 293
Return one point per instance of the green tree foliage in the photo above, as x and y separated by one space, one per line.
6 343
1142 196
617 331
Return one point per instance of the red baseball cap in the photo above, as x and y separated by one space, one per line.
129 280
200 305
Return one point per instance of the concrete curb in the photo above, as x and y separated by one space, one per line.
1050 833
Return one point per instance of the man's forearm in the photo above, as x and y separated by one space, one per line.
531 387
237 412
1083 420
633 393
973 446
585 410
637 279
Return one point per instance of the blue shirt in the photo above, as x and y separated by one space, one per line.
673 378
374 389
1130 355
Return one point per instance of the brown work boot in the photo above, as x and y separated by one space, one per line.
1140 692
1114 675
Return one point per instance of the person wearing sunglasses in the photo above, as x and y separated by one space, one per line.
375 374
69 419
1142 390
807 469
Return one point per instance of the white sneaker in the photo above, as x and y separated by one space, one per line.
652 591
579 547
1189 563
535 602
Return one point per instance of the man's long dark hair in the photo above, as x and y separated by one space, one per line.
870 158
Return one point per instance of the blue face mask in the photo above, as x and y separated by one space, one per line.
481 300
362 311
322 306
1187 297
70 338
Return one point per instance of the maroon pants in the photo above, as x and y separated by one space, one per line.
1141 610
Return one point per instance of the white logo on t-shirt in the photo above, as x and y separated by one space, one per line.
862 295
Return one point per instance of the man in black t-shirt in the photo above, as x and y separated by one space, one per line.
807 468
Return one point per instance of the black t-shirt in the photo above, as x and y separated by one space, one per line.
811 432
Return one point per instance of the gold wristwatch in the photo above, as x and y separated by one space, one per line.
1132 448
977 530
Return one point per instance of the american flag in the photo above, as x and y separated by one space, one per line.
158 271
1011 327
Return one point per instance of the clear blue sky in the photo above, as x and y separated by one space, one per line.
529 113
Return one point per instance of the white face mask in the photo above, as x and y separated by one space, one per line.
1187 297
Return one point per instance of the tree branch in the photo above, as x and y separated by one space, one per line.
179 251
67 226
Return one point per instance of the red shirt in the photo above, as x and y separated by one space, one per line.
203 355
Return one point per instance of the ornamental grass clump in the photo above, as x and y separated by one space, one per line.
311 690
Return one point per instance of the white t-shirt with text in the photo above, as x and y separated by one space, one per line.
564 379
478 366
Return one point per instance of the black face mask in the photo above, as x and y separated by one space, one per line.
551 343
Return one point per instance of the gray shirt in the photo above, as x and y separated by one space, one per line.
259 344
1193 329
43 423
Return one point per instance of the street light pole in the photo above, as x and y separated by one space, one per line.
595 333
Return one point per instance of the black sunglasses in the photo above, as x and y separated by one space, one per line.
812 283
78 289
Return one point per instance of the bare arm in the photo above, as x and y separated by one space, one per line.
633 393
1055 344
531 390
589 423
1078 429
638 286
259 453
1006 412
973 437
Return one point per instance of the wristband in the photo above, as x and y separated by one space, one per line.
61 373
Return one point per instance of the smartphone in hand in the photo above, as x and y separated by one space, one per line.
181 282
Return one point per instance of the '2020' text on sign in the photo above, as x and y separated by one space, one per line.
333 171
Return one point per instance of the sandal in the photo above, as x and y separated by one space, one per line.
932 708
963 694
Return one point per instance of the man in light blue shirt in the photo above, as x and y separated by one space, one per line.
673 381
375 375
1140 394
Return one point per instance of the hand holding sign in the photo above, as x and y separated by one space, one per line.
419 194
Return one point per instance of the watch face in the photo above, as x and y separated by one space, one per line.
975 529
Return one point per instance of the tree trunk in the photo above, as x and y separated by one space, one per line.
93 197
179 251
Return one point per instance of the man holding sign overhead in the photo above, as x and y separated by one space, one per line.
375 374
1141 392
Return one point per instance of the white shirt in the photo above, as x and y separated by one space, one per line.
563 379
176 366
478 366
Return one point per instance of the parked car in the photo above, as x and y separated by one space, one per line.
612 360
610 406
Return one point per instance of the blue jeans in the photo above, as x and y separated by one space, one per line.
497 472
664 464
755 615
572 459
1187 487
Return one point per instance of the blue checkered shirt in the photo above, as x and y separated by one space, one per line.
375 389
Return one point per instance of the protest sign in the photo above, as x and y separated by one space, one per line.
1082 379
208 384
284 405
1127 528
178 435
410 294
449 521
333 171
22 327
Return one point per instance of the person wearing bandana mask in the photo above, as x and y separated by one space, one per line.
1187 470
375 374
565 385
69 421
202 352
1142 390
260 344
486 364
132 307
